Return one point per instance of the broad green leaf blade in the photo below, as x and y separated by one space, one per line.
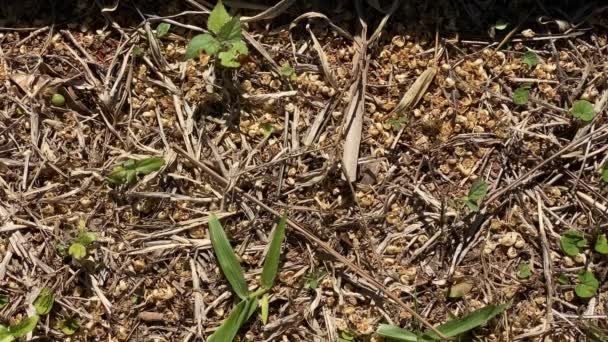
24 327
530 59
86 238
228 330
478 191
5 334
523 271
148 165
70 326
117 176
226 258
571 241
253 306
202 42
218 18
231 31
473 207
77 251
44 303
397 334
583 110
3 301
601 245
587 285
271 262
162 29
264 308
469 322
521 95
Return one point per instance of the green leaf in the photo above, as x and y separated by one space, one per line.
58 100
521 95
230 31
218 18
601 244
226 258
531 59
228 330
605 172
229 57
267 129
478 191
587 285
23 328
501 25
162 29
563 279
204 42
397 334
473 206
149 165
264 308
44 303
397 123
523 271
86 238
313 279
70 326
288 71
253 306
583 110
271 262
3 301
77 251
469 322
5 334
120 175
571 241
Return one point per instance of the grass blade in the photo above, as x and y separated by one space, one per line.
271 263
228 330
468 322
397 334
226 258
264 308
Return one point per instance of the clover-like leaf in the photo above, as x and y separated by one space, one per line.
530 59
587 285
288 71
162 29
601 244
397 123
77 251
521 95
86 238
218 18
70 326
205 42
24 327
523 271
44 302
583 110
571 241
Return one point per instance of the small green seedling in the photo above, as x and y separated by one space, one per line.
127 172
530 59
571 241
397 123
267 129
587 285
583 110
162 29
44 302
289 72
78 247
43 305
69 326
563 279
452 328
601 244
231 268
523 271
223 40
522 94
58 100
477 192
314 278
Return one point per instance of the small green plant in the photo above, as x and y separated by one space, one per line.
78 247
289 72
162 29
223 41
127 172
452 328
477 193
233 272
58 100
601 244
563 279
69 326
3 301
530 59
267 129
522 94
44 303
523 271
587 285
397 123
583 110
314 278
571 241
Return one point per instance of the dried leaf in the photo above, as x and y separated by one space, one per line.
416 91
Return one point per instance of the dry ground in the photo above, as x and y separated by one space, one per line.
152 276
